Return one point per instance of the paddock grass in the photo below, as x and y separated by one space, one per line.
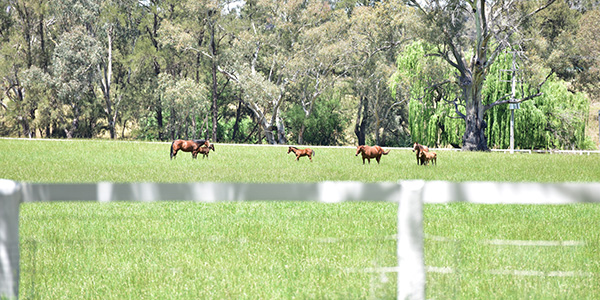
98 160
285 250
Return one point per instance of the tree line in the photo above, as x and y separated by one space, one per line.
305 72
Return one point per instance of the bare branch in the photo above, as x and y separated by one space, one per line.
455 102
228 74
505 101
548 3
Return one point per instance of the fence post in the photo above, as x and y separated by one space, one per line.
411 262
10 198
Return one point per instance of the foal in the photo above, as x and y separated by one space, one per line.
419 148
206 150
301 152
428 156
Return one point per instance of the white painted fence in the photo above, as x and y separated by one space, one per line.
409 194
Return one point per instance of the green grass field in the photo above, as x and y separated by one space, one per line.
284 250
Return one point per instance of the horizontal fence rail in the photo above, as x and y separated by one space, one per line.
411 195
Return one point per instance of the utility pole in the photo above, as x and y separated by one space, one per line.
513 104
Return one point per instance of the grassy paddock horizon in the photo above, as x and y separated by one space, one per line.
119 161
284 250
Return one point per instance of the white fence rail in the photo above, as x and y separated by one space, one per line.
409 194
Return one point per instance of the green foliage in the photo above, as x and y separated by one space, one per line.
245 127
324 126
555 120
432 121
279 58
560 113
186 105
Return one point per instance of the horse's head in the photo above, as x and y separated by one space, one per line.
359 149
415 146
289 150
212 146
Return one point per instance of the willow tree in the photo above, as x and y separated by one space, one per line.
470 35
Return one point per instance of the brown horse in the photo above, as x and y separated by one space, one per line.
187 146
369 152
206 150
419 148
302 152
426 157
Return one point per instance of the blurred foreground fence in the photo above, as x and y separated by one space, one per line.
409 194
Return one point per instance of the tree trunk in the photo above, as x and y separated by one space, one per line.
474 137
281 139
361 121
74 124
236 126
159 120
268 130
301 134
105 81
215 95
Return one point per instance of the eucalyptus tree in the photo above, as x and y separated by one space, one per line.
75 64
318 56
201 32
115 29
186 101
588 54
375 34
74 70
24 45
261 59
150 58
470 35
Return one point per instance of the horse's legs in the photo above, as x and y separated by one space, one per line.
378 158
310 157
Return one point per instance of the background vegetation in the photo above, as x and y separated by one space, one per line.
307 72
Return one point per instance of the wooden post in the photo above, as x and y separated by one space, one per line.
411 261
10 198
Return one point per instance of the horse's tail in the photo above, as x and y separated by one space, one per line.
386 153
171 153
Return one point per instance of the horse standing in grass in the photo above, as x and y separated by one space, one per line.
426 157
187 146
419 148
301 152
369 152
206 150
